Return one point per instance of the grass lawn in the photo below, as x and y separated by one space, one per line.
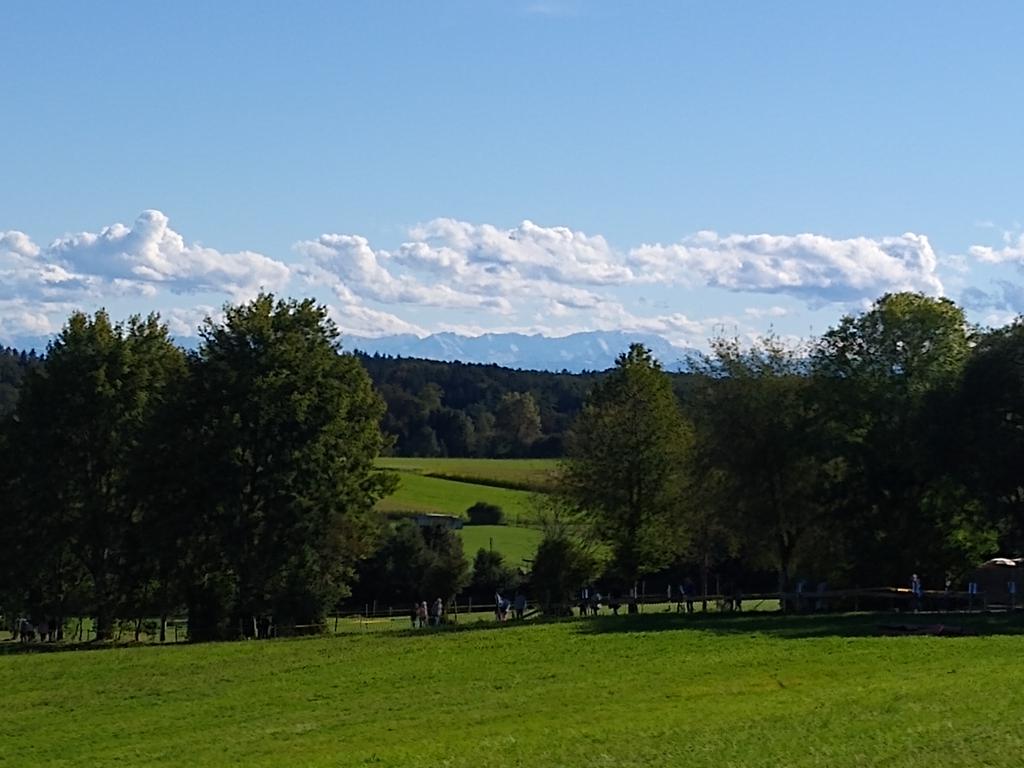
523 474
419 493
516 544
627 691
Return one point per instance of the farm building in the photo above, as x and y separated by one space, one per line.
434 520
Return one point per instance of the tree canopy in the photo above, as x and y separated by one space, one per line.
626 459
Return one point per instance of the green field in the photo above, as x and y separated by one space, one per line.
516 544
627 691
425 485
523 474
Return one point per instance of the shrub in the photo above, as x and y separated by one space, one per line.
484 513
560 567
490 575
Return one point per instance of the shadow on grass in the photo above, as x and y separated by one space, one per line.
768 624
797 626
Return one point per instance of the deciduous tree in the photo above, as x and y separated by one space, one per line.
626 464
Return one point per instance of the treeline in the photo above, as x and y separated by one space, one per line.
466 409
891 445
14 365
236 482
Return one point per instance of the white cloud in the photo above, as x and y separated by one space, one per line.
451 274
529 251
150 252
813 267
1012 251
22 319
457 264
350 265
766 312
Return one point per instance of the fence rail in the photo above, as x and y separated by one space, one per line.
81 629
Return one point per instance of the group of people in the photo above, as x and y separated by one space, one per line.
503 607
24 630
423 616
687 593
591 602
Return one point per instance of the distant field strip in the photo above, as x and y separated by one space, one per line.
425 486
517 474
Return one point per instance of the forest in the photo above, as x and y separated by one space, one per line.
236 482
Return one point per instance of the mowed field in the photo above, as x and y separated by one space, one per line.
451 486
524 474
626 691
518 545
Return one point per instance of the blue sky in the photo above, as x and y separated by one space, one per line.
555 166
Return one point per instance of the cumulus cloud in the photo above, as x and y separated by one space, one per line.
458 264
529 251
1012 251
136 260
813 267
26 273
40 285
22 319
150 252
360 269
457 274
450 264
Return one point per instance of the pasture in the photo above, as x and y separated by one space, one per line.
451 486
522 474
627 691
516 544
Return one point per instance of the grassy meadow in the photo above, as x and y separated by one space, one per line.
451 486
627 691
522 474
516 544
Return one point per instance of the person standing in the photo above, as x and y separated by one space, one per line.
438 612
689 589
917 591
520 605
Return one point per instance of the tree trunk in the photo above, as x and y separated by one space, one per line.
704 583
163 628
785 556
104 623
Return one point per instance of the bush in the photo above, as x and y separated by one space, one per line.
561 566
490 575
483 513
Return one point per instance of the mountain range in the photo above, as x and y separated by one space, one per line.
590 350
587 351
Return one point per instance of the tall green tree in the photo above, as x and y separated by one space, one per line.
886 377
288 429
988 444
757 463
79 426
413 564
626 462
517 423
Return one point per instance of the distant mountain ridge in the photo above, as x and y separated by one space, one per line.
590 350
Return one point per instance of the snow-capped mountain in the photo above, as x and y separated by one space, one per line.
592 350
